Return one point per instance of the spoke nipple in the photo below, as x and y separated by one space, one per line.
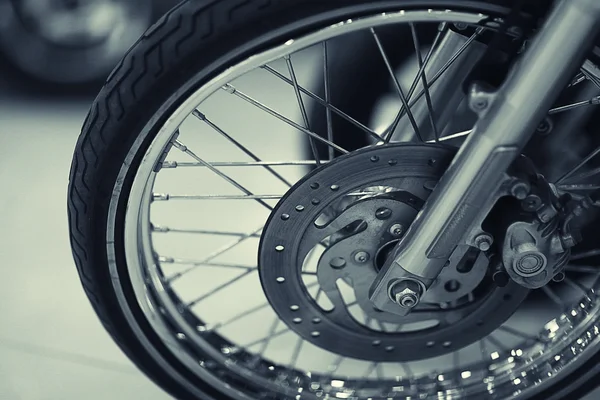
397 229
361 257
199 115
228 88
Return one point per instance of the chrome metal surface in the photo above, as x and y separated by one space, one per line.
504 127
518 364
533 253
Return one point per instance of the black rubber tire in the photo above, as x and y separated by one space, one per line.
191 44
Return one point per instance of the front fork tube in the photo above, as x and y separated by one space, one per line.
507 120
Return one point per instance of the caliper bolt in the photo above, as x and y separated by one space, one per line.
559 277
397 229
361 257
406 293
484 242
520 190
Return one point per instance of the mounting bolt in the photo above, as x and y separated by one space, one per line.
383 213
520 190
559 277
545 127
361 257
406 293
397 229
484 242
479 104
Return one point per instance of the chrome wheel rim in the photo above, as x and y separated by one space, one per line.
564 342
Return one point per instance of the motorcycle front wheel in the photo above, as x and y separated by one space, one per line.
180 163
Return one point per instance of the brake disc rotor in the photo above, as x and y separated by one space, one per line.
344 216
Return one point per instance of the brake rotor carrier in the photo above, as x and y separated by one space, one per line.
348 215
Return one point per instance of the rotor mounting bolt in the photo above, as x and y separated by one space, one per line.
406 293
484 242
383 213
361 257
397 229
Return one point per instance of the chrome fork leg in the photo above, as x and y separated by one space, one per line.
507 120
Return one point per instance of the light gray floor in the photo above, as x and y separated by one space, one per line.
52 347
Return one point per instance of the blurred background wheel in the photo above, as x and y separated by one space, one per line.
71 42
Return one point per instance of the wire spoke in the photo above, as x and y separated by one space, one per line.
325 103
327 90
441 30
496 343
518 333
594 101
483 350
553 296
219 288
180 146
433 80
296 352
583 269
203 118
232 90
247 313
585 175
390 69
585 254
313 147
336 363
370 369
452 136
585 187
576 285
178 164
266 340
578 166
173 260
259 197
407 369
167 229
424 79
215 254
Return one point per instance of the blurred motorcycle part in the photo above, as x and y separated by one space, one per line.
70 41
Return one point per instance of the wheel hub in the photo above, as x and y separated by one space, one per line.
346 218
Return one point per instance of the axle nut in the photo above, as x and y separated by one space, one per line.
406 293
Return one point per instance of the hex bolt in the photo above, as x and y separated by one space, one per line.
406 293
559 277
383 213
397 229
361 257
500 276
520 190
484 242
532 203
479 104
